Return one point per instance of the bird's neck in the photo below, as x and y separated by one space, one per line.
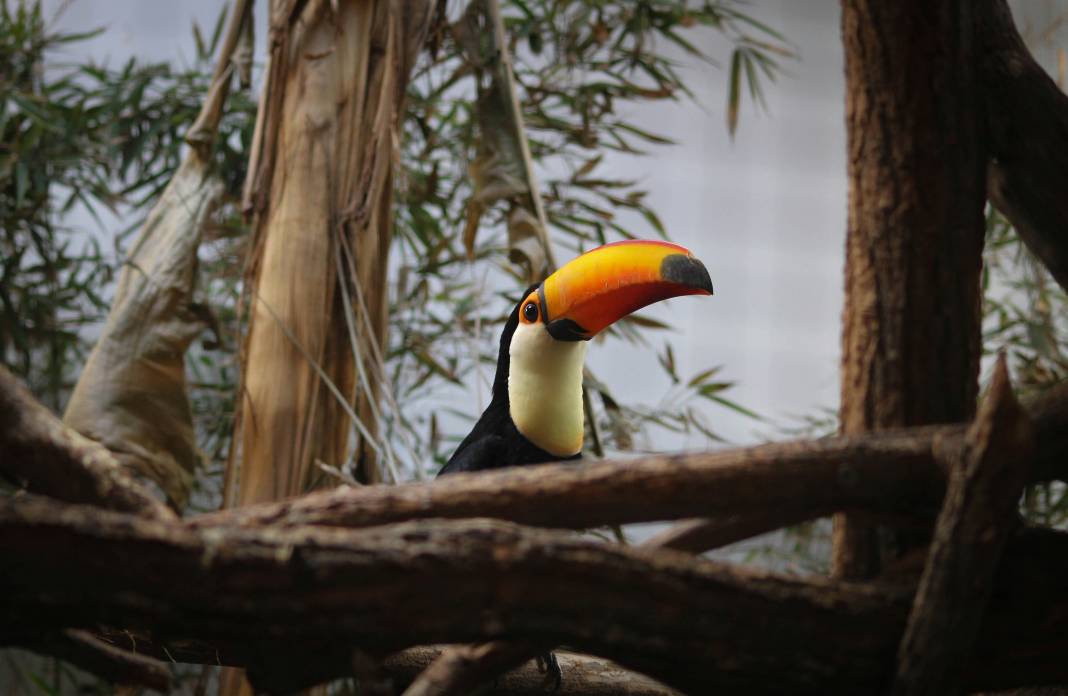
545 389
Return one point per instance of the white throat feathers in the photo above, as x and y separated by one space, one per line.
545 389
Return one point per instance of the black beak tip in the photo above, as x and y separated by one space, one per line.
687 271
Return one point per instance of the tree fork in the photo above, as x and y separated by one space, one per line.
911 323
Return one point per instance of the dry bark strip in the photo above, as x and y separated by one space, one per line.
975 522
41 455
695 625
1027 138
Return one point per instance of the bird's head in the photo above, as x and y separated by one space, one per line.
545 338
602 286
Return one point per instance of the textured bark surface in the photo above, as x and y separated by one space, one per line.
976 520
1026 127
320 183
910 338
693 624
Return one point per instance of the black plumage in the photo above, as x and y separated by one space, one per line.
495 442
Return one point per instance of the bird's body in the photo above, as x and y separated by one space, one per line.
535 414
495 440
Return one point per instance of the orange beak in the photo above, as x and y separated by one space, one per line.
604 285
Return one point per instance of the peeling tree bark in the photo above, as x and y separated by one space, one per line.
910 337
320 182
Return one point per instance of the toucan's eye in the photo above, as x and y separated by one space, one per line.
530 312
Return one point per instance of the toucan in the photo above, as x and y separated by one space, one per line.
535 414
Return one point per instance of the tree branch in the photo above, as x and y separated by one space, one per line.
1027 138
88 652
461 669
885 471
40 454
978 514
704 534
695 625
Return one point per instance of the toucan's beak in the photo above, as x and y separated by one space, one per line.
608 283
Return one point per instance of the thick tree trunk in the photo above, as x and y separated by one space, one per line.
320 182
910 343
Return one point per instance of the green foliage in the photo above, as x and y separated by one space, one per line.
80 137
578 67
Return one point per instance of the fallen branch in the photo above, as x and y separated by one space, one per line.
695 625
41 455
975 522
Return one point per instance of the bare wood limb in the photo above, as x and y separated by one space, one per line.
41 454
693 625
976 519
696 625
889 471
87 652
885 471
461 669
1027 137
